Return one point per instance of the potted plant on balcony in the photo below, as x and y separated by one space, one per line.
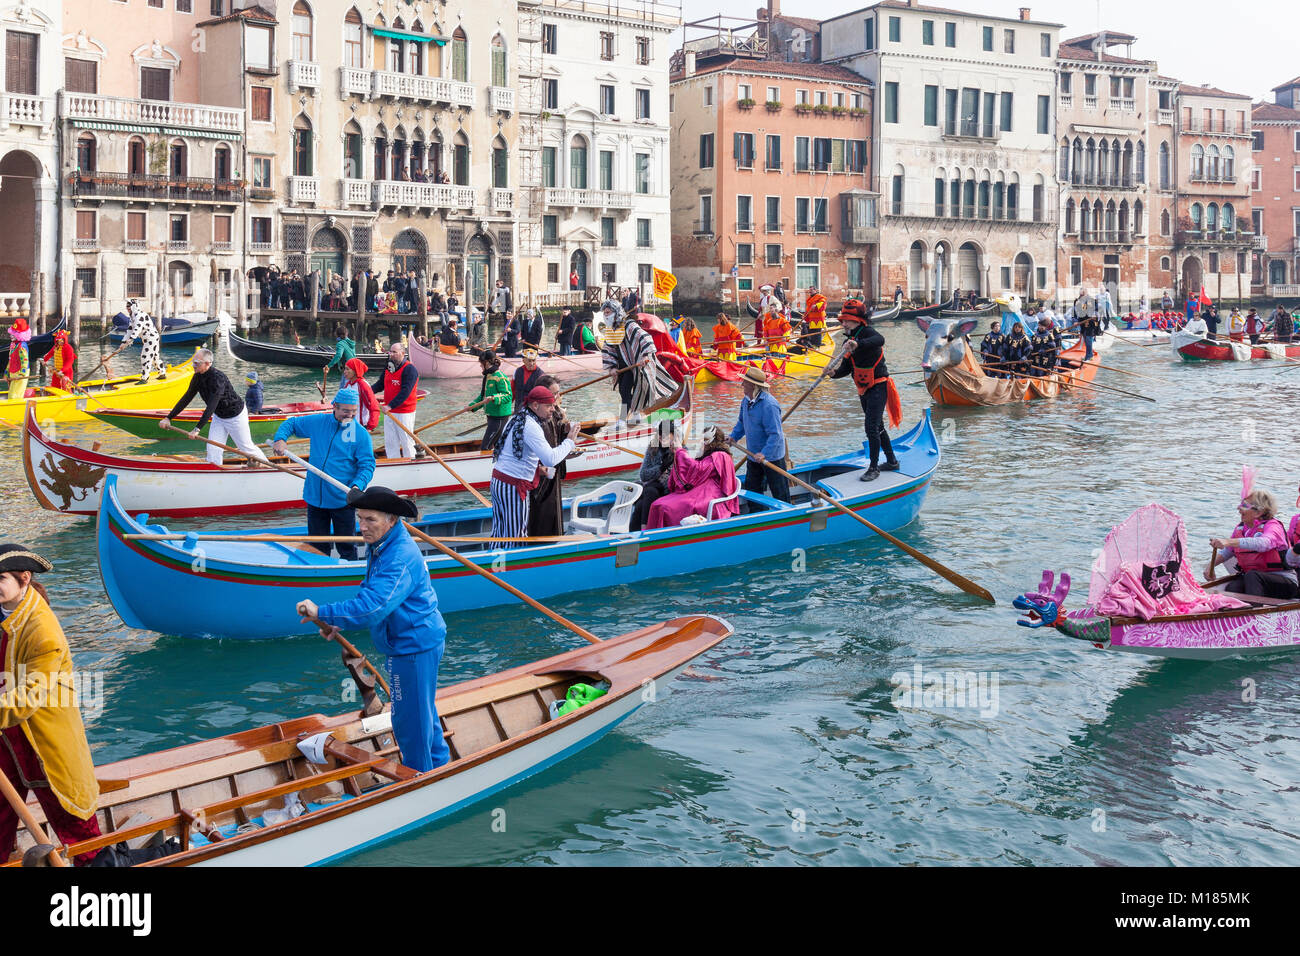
839 110
773 106
803 108
746 104
821 109
858 111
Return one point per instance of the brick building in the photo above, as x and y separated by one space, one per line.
1275 186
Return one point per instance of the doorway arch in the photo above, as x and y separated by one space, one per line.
578 264
20 177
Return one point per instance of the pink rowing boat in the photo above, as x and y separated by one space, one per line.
432 363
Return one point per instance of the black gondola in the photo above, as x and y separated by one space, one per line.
38 346
301 356
928 312
753 310
982 309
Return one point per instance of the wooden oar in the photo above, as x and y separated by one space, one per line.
626 451
1070 383
445 418
457 556
442 461
103 363
324 377
347 538
25 815
602 378
831 365
236 451
331 633
966 584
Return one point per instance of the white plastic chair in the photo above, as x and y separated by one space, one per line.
717 501
619 518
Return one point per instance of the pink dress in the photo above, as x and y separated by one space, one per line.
692 485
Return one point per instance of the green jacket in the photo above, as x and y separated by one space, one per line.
344 351
588 337
496 391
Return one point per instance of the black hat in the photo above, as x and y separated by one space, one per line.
377 498
15 557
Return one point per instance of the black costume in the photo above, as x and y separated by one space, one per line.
991 354
866 363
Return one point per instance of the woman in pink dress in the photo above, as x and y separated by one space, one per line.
694 482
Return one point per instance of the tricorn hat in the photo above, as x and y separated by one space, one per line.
378 498
15 557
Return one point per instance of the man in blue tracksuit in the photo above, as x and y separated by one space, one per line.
397 602
760 425
341 448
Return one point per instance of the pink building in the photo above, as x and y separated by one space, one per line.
1276 193
771 177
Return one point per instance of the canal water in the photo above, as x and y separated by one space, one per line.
788 746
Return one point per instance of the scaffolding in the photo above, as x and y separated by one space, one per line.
530 129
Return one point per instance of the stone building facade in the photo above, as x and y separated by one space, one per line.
964 122
772 179
29 156
1275 185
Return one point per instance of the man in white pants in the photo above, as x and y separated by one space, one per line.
397 385
225 409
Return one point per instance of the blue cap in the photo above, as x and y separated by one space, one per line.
347 396
251 378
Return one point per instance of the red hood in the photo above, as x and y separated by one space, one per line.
359 368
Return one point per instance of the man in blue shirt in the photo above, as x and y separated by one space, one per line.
399 606
760 425
341 448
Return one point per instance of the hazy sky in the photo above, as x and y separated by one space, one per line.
1243 47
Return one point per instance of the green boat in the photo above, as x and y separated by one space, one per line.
144 424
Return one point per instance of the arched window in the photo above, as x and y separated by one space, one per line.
302 32
500 164
178 160
459 55
1141 171
1123 221
984 196
180 276
1112 225
1212 170
460 160
1090 164
499 74
1127 169
1069 218
302 147
352 151
1085 222
1198 162
1229 164
221 163
578 163
1212 217
1229 218
1139 225
381 152
1099 220
137 163
1065 161
1197 216
353 48
397 49
1164 223
1103 163
1076 162
1164 263
86 153
1013 198
1164 165
400 153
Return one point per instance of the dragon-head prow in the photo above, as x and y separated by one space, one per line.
1044 606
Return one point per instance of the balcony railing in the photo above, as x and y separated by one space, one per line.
772 228
703 227
969 129
501 200
1109 181
304 189
259 248
155 112
156 187
1090 102
178 245
83 244
137 245
1227 127
811 228
421 89
1260 243
355 192
1107 237
21 109
304 75
1124 104
1283 291
353 80
948 211
772 166
1203 177
1212 236
423 195
744 225
223 247
501 99
1165 117
15 304
1066 100
588 199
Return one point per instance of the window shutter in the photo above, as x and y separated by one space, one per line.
79 76
20 62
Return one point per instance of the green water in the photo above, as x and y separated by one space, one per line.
788 748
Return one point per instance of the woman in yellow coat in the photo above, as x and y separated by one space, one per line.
42 739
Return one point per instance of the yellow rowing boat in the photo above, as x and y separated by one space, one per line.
809 363
57 405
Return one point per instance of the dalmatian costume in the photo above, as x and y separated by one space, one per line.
143 328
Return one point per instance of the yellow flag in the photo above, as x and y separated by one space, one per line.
664 284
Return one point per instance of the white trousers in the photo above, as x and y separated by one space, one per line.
235 428
396 442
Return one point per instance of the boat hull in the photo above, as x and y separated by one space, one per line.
192 334
144 424
71 479
810 364
1236 632
298 356
62 406
249 590
431 363
967 386
1193 348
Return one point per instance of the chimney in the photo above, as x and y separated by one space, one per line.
1024 13
773 9
690 64
911 3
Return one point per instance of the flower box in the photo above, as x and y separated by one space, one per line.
773 106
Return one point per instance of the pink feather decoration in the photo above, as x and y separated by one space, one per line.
1248 473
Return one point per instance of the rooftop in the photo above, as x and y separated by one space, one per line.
812 71
253 13
1187 89
1287 85
1075 51
924 8
1272 112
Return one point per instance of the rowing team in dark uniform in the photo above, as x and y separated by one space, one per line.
1005 356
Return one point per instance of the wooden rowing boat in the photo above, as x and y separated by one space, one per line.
927 311
981 310
887 315
753 310
67 478
965 384
213 795
194 333
48 404
432 363
809 363
299 356
144 423
1198 348
248 587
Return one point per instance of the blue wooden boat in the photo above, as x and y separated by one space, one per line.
177 333
205 587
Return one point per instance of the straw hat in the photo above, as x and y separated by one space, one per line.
756 376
